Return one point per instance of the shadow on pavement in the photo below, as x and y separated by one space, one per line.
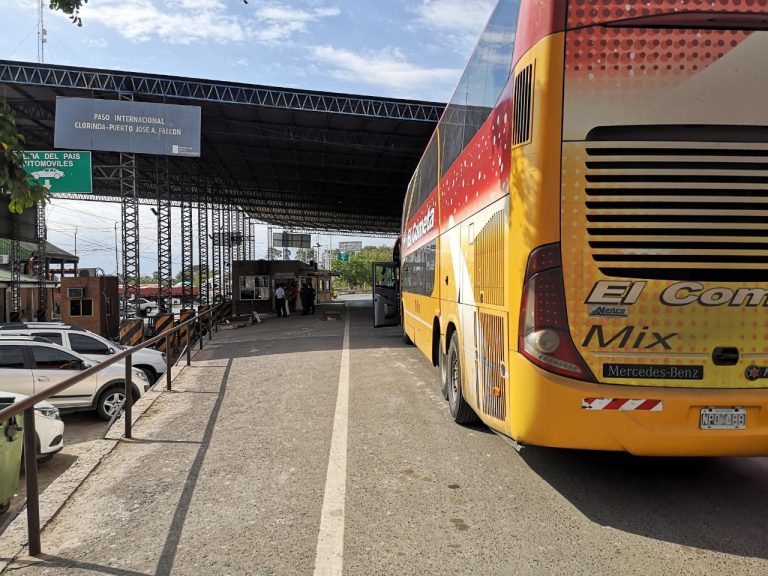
717 504
297 334
168 555
58 562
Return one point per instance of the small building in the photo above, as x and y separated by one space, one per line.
57 262
254 283
91 302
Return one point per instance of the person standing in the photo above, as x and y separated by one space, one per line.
311 297
294 296
280 300
304 299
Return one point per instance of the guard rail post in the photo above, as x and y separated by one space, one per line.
188 329
30 472
128 406
200 330
210 324
168 362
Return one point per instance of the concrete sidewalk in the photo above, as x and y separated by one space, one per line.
197 490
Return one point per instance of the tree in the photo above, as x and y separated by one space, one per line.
305 254
70 7
13 178
356 274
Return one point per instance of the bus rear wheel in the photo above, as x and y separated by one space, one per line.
461 412
442 360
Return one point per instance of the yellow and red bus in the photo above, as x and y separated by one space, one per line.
585 239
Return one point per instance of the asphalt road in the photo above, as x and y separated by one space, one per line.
230 474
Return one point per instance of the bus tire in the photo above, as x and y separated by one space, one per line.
443 363
461 412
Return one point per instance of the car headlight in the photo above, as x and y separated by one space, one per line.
48 412
140 375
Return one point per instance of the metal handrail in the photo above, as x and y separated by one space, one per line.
30 401
27 406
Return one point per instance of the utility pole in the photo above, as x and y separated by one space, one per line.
117 260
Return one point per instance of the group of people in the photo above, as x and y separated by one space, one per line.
289 294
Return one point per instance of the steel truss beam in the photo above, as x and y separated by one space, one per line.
240 230
41 264
393 145
164 244
16 265
221 92
202 252
216 251
249 247
186 254
130 222
227 278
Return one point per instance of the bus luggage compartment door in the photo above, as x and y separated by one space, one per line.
386 294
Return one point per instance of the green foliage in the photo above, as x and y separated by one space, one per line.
356 274
70 7
13 178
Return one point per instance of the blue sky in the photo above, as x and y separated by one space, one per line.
398 48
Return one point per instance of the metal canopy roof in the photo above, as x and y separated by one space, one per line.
291 158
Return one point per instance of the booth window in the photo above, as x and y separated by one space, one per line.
254 287
83 307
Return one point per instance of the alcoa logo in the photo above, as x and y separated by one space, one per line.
418 230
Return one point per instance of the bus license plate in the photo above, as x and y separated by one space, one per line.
723 419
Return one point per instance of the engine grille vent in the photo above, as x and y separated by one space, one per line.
678 211
523 106
492 361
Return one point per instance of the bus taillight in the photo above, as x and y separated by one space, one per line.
544 337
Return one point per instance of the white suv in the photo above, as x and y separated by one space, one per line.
30 364
90 345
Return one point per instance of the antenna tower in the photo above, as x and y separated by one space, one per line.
42 33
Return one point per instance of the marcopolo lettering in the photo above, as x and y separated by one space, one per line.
685 293
629 337
421 228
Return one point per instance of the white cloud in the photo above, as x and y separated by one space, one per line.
278 22
179 22
96 42
385 68
459 21
192 21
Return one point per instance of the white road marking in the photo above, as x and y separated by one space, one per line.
329 559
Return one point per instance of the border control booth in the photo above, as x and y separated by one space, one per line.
254 283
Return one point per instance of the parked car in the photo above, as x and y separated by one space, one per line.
49 427
30 364
141 305
89 344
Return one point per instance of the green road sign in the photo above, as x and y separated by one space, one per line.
60 172
342 256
